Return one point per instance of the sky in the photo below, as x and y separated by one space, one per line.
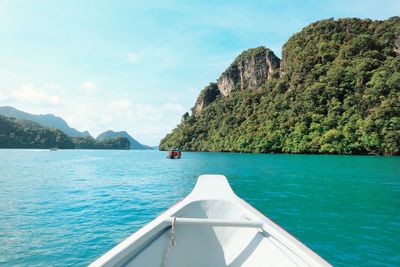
137 66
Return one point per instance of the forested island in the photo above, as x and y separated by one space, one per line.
134 144
336 91
15 133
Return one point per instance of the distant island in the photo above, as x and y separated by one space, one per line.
335 91
19 129
109 135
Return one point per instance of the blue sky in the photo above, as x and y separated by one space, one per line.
136 66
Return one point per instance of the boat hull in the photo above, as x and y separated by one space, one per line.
211 227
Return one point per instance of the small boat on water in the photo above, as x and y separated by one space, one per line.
174 154
212 226
53 149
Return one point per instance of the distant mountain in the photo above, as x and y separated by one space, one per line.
16 133
111 134
48 120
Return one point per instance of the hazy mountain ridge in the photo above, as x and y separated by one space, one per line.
44 131
46 120
15 133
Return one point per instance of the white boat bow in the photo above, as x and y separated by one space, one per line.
212 226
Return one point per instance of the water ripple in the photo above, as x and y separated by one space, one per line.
68 208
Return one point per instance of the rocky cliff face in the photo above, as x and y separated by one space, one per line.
250 70
206 97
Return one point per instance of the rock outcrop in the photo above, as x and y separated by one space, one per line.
250 70
185 117
206 97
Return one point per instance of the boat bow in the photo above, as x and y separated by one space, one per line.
212 226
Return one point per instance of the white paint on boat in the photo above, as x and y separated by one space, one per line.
213 227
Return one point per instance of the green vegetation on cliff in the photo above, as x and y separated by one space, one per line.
337 91
27 134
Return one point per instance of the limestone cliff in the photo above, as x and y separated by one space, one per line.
250 70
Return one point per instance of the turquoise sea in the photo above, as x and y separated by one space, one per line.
68 207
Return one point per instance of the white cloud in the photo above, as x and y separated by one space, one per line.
146 122
119 105
30 93
89 86
106 119
133 57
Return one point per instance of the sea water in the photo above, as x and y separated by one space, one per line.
68 207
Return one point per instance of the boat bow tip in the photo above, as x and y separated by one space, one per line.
212 186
